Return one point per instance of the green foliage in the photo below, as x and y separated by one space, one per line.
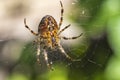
28 56
17 76
99 56
103 19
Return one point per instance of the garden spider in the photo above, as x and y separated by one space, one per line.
48 36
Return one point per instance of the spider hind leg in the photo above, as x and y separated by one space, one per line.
29 28
63 29
61 18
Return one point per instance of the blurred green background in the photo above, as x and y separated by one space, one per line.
99 52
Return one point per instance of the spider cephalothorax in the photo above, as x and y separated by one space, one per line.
48 36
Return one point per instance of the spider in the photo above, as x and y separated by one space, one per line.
48 36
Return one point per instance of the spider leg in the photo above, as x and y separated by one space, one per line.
64 53
64 29
38 54
68 38
62 11
67 56
46 59
29 28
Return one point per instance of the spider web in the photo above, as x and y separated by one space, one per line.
87 54
91 54
78 53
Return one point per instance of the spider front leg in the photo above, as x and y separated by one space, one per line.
64 53
29 28
46 59
38 42
38 54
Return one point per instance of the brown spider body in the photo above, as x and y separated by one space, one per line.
48 36
48 30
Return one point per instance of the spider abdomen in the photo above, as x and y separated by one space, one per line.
48 28
47 23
